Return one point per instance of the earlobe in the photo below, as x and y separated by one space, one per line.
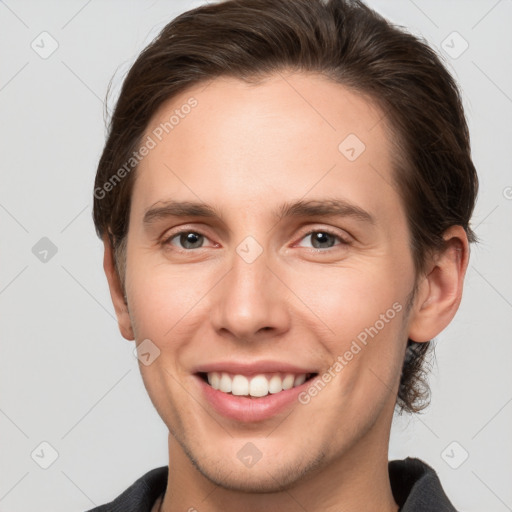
440 291
116 292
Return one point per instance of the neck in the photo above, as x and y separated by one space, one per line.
359 480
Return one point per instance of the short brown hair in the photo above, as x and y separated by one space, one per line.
348 43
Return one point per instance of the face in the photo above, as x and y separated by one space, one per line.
293 269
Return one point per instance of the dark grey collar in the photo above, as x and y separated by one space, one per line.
415 486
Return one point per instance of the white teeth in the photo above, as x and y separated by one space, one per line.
240 385
225 383
214 380
257 386
288 381
275 384
300 379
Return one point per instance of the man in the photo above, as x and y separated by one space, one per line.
284 199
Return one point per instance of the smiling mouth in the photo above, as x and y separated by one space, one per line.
255 386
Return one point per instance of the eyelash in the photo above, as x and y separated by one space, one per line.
343 241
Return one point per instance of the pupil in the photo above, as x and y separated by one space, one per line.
190 239
321 238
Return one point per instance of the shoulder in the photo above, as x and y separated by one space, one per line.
141 495
416 487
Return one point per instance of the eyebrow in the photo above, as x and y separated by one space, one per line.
311 208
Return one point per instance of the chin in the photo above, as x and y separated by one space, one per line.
260 478
264 480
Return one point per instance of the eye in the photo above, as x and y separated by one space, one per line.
186 240
323 239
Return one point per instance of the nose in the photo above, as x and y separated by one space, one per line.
250 302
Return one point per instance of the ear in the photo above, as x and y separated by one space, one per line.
440 290
116 292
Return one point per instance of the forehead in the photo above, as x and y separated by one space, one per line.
289 135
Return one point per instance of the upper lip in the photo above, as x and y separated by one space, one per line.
252 368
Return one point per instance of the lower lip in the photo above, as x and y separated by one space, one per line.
245 409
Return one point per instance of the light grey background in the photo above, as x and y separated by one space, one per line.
68 378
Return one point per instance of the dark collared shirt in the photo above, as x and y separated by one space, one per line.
415 486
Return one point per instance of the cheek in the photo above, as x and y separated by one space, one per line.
163 296
359 318
346 301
